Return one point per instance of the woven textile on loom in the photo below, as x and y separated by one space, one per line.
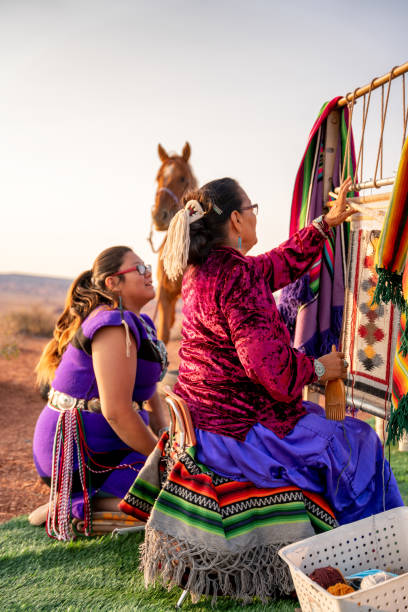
312 307
214 535
370 330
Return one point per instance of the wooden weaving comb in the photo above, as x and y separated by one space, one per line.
335 398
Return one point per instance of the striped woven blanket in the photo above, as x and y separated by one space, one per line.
398 425
214 535
312 307
393 245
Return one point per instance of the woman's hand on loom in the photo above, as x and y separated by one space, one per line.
335 366
340 210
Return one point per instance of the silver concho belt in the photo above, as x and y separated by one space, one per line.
62 401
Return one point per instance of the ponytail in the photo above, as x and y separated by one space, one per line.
86 293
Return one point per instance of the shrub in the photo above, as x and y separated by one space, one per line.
8 339
34 322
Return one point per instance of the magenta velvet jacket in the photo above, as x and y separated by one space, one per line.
237 366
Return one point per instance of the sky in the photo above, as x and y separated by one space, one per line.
88 88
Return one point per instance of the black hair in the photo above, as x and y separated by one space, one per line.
218 199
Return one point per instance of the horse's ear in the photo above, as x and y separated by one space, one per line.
162 153
186 152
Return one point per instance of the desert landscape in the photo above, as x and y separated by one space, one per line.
29 306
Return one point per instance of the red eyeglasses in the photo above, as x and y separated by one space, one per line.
143 269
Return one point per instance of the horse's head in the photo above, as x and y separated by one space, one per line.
174 178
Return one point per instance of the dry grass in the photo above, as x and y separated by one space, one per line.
17 324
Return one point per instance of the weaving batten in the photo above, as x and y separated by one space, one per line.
335 398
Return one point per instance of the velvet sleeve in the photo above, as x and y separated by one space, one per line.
260 336
291 259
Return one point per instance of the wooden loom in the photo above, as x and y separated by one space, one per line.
372 207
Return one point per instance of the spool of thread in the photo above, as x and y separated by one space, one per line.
340 589
327 576
335 398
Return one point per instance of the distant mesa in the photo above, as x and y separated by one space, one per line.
22 290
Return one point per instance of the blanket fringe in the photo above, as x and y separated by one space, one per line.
389 288
242 575
398 423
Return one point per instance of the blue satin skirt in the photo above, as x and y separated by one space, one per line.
342 461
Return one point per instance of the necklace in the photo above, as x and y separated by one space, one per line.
158 346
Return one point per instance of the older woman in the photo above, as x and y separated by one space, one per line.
240 377
103 365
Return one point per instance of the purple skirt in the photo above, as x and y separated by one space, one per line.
342 461
106 449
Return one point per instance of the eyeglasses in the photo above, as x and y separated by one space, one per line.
253 206
141 268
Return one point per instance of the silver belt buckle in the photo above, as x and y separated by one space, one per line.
64 401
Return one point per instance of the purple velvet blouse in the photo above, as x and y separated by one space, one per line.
237 366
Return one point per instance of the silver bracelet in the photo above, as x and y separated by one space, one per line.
322 226
319 368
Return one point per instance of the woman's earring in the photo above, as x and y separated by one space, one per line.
126 326
239 243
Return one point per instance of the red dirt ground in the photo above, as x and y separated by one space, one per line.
20 404
21 490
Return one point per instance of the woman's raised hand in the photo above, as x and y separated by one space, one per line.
340 210
335 366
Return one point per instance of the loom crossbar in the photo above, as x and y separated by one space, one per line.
393 74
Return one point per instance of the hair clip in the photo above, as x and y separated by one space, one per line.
217 209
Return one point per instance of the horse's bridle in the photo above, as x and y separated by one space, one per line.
170 193
177 202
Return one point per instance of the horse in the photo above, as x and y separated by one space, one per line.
174 178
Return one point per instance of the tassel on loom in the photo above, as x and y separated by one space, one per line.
398 423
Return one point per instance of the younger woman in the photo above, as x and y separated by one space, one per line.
103 365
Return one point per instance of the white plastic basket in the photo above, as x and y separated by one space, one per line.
380 541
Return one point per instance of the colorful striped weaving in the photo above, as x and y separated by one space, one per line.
393 245
298 215
216 530
312 307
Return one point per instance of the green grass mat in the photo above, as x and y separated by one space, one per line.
99 574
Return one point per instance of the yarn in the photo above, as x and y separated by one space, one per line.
327 576
340 589
369 581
